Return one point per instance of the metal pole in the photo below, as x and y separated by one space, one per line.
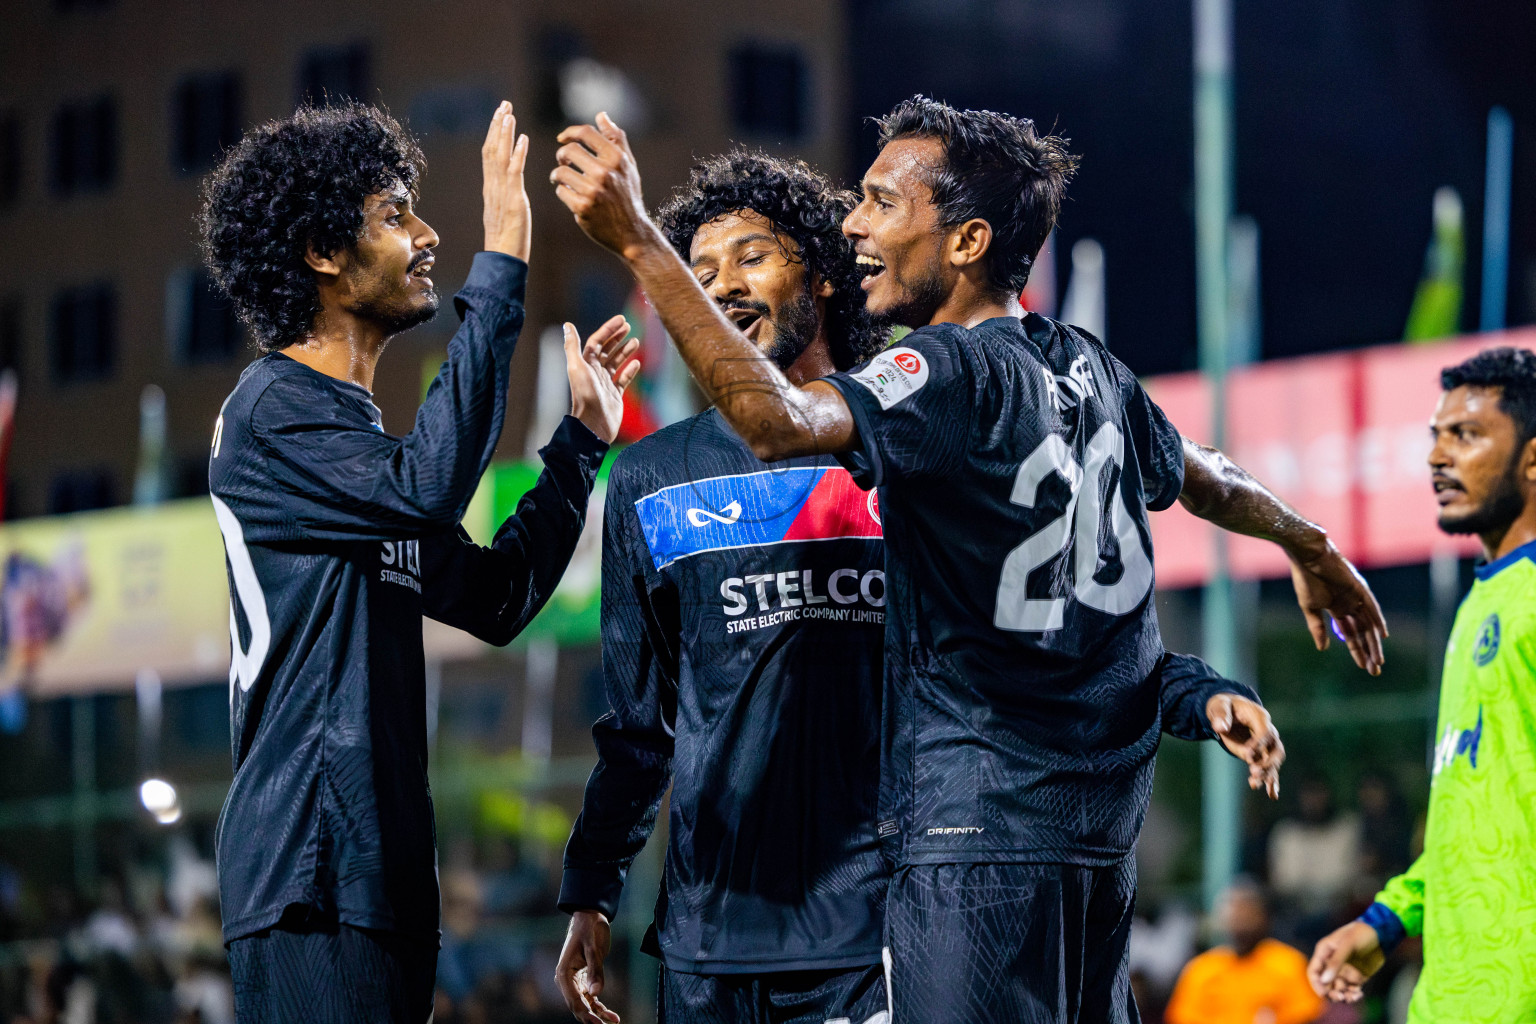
1501 151
1220 792
83 757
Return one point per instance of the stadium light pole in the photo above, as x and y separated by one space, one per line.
1220 791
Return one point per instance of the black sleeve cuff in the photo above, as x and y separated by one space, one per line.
496 274
862 463
591 889
575 439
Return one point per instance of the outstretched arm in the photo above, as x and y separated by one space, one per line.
598 181
1220 491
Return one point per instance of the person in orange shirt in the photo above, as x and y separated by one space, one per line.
1255 980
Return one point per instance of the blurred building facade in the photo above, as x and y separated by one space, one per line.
112 110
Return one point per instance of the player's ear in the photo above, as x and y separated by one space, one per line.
821 288
1528 461
324 264
969 242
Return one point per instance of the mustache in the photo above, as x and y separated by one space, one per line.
419 259
760 308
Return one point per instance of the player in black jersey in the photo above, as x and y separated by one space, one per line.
1016 461
742 637
340 537
743 612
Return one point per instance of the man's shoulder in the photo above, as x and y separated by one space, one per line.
701 445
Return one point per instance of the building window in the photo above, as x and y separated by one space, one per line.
81 490
10 335
83 146
331 73
200 322
10 159
83 332
205 113
768 90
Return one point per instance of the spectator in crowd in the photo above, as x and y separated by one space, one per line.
1386 830
1255 978
1314 858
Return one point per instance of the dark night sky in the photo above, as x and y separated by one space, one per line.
1349 113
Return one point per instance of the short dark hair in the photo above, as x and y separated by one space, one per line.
1513 371
803 204
288 185
996 167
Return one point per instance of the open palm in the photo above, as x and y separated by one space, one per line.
599 370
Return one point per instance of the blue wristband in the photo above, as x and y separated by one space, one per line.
1389 927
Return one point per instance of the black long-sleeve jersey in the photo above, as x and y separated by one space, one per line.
1015 462
742 639
338 539
742 608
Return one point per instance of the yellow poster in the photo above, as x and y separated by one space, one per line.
89 600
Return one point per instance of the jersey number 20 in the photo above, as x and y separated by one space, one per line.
1075 531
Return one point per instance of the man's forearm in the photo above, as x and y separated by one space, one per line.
1220 491
770 414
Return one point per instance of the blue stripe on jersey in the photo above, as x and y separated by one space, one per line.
724 511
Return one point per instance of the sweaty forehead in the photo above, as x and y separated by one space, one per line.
1470 402
906 166
715 238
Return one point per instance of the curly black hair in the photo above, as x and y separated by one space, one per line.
288 185
803 204
998 168
1513 371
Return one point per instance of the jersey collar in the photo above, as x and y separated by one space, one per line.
1487 570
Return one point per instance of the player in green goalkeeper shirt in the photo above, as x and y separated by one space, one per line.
1472 893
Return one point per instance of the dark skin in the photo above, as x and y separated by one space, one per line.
743 263
378 286
897 226
1477 456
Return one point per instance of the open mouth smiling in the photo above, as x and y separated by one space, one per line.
747 321
873 267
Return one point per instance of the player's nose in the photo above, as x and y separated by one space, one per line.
856 224
728 284
425 237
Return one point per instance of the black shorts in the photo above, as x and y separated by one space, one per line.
849 995
1022 943
332 974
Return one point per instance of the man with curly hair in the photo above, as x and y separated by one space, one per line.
1016 462
742 635
340 537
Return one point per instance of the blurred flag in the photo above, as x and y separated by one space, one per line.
1040 293
663 393
1436 310
1084 305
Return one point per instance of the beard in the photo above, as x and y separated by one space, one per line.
397 318
390 306
1497 512
793 331
920 297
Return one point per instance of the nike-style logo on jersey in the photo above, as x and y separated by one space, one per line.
782 505
727 515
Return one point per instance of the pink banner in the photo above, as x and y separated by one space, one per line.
1343 437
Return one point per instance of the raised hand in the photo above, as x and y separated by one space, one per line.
1343 960
508 225
1328 585
598 181
1246 730
599 371
580 971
